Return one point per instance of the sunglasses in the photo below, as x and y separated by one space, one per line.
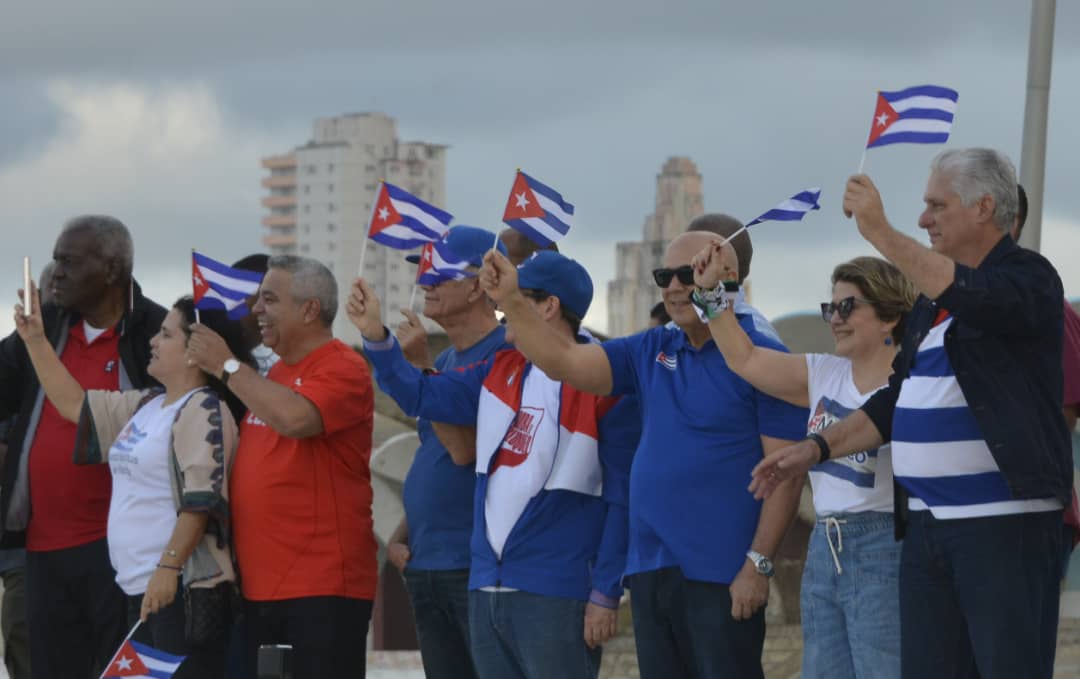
663 276
843 308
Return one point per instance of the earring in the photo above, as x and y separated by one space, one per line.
888 341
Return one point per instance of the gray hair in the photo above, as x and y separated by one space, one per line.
311 280
112 238
978 172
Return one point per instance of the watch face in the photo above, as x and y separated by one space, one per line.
232 365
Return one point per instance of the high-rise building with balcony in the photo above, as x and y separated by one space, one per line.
320 198
633 293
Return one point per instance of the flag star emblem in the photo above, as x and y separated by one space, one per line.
383 213
124 663
198 281
883 119
522 200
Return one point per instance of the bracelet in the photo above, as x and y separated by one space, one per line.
712 302
178 569
822 444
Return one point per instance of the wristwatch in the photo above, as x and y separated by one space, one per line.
230 367
762 564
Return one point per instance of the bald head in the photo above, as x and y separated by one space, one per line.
685 246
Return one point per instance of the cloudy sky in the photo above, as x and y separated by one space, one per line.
158 113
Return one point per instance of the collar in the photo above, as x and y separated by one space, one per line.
1004 247
78 331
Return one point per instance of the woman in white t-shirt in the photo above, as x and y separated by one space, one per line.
850 595
170 451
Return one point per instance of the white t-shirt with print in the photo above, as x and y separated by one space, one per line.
862 482
142 513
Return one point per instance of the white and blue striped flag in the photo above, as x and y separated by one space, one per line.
402 221
791 210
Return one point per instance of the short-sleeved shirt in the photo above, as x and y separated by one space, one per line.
701 437
438 494
69 504
862 482
302 507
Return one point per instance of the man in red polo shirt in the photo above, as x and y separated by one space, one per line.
301 484
101 326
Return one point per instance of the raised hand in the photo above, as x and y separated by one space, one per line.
498 277
862 200
412 337
365 311
29 327
716 262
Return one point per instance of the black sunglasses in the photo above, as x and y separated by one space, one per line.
843 308
663 276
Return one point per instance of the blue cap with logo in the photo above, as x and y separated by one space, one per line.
558 275
468 243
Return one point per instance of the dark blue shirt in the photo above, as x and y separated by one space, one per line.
438 494
701 437
1005 348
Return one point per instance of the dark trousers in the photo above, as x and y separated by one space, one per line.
440 603
164 631
979 597
328 634
13 624
75 610
683 628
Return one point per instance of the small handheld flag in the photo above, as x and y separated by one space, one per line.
219 286
139 660
402 221
917 115
793 209
537 210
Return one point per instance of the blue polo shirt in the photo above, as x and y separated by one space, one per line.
438 494
701 437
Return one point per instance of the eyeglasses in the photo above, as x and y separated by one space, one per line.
843 308
663 276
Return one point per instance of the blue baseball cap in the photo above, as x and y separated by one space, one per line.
468 243
558 275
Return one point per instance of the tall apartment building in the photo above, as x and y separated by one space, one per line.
320 198
633 293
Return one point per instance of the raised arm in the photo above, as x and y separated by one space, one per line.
779 374
60 387
583 366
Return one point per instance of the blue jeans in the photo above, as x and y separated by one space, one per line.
851 612
684 628
979 597
440 603
519 635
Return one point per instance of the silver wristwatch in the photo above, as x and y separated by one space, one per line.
229 369
762 564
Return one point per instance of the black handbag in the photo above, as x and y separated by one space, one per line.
209 612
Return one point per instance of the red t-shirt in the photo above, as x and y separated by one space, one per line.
69 503
301 508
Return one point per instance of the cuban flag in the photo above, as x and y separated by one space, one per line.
917 115
139 660
793 209
437 264
219 286
538 211
402 221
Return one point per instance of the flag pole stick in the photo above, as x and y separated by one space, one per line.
862 161
412 297
126 639
732 236
367 236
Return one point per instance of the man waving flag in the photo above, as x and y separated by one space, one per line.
537 210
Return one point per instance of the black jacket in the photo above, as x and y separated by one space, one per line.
1005 347
20 390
